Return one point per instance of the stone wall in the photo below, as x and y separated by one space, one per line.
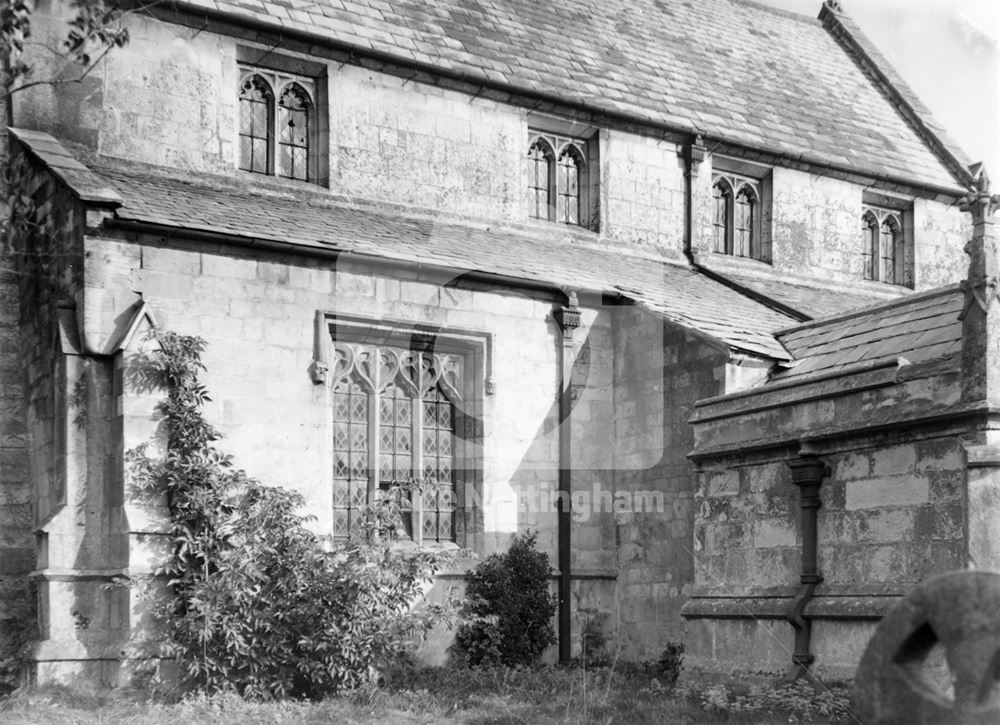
892 509
661 371
815 230
941 232
170 99
256 311
642 181
16 545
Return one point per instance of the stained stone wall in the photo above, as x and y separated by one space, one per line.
892 511
170 99
662 371
814 227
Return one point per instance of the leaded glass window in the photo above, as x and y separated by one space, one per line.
736 216
721 196
438 466
293 140
887 248
395 422
539 181
559 182
256 124
277 124
743 225
350 453
568 185
869 246
882 245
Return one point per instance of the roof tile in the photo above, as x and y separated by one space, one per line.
918 327
678 292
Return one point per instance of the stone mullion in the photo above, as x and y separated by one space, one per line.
374 415
417 459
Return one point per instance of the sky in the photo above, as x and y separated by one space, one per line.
947 51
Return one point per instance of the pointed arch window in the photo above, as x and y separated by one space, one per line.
568 185
736 223
277 124
559 179
539 179
883 245
745 235
256 124
293 139
399 417
722 196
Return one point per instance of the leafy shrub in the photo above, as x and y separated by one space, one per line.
668 666
594 641
255 603
508 608
19 630
803 699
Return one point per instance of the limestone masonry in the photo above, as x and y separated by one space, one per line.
696 270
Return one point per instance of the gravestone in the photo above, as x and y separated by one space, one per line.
960 611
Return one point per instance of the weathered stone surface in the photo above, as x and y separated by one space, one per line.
961 611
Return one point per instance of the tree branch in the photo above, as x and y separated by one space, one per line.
61 81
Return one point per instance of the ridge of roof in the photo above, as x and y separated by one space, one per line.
905 300
782 12
859 46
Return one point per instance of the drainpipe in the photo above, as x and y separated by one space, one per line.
568 318
693 154
808 472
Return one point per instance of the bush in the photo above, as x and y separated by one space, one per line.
255 603
18 630
508 609
668 667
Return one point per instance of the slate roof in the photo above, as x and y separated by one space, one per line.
917 327
811 301
315 221
734 71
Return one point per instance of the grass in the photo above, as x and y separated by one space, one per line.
495 696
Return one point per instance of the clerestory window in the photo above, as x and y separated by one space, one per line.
400 416
883 248
560 179
736 224
277 124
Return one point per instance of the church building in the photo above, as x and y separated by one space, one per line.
676 284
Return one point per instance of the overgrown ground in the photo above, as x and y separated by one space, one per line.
497 696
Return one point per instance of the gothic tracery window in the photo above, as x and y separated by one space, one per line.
395 422
256 122
539 180
559 179
736 224
293 140
882 245
568 185
745 238
277 124
722 197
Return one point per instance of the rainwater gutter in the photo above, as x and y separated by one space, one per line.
693 153
546 290
567 317
808 472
